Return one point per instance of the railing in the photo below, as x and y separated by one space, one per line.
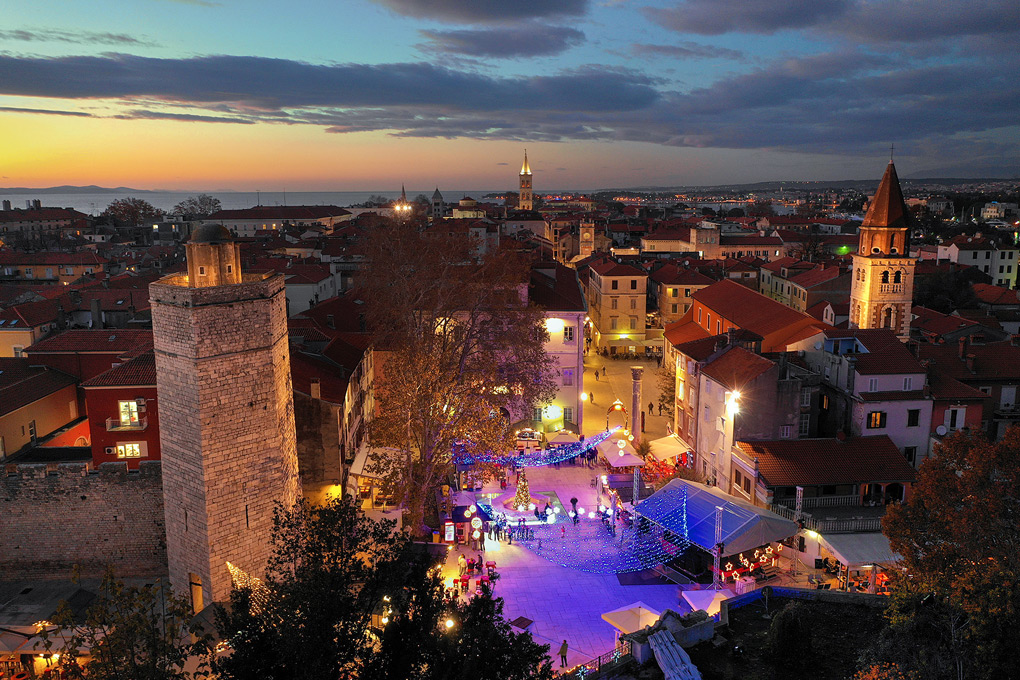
824 501
114 424
602 664
890 288
830 526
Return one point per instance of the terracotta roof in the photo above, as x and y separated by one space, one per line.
818 309
559 292
22 384
996 295
103 341
737 240
736 367
29 314
669 235
817 276
40 215
138 371
747 308
280 212
893 395
671 275
83 257
993 362
813 462
944 388
888 209
684 330
612 268
933 323
332 378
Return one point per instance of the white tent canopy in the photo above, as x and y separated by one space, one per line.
611 452
632 618
668 447
688 509
706 600
563 437
855 550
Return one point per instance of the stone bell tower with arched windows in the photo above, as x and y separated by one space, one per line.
883 277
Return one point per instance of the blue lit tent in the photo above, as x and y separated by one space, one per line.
688 509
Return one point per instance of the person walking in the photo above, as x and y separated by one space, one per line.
651 406
591 397
603 371
462 564
596 375
563 654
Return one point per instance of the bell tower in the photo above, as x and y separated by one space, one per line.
587 242
227 434
525 201
882 289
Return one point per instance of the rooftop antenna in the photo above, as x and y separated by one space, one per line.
892 148
285 195
258 197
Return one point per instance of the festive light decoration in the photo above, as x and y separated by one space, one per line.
536 458
522 499
476 523
259 593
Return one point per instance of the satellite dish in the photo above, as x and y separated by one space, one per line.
941 430
818 345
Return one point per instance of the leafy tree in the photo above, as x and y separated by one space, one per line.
811 249
789 636
945 292
463 351
202 205
735 212
132 211
959 537
127 633
761 208
332 570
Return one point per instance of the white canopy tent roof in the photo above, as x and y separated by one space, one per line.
668 447
611 452
706 600
632 618
563 437
855 550
688 509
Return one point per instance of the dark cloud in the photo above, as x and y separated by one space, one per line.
275 83
873 21
486 11
142 114
714 17
48 112
78 37
524 40
686 50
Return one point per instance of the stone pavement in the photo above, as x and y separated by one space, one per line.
563 603
617 385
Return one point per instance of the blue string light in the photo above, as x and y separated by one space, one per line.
537 458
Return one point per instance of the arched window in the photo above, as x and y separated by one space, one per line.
892 243
887 315
885 277
898 277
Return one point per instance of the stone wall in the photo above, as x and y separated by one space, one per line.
53 520
318 441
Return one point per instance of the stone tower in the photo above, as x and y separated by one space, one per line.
437 206
226 416
587 241
883 276
525 201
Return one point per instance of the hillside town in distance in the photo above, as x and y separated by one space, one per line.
701 433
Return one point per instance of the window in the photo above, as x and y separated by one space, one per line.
975 255
612 323
18 350
568 376
568 334
907 382
718 326
673 292
953 418
128 412
201 271
872 384
823 401
986 390
613 303
699 314
876 420
785 431
988 254
537 413
913 417
673 308
805 397
1002 269
230 268
633 303
910 453
633 323
568 414
804 426
615 284
687 292
132 450
708 324
633 284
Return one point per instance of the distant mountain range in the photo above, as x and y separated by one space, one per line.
68 189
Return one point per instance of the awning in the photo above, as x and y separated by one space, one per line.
611 452
668 447
706 600
632 618
855 550
563 437
688 509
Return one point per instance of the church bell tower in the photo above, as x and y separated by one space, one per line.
882 289
525 201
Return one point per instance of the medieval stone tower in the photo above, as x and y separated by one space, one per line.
525 201
883 276
227 415
587 240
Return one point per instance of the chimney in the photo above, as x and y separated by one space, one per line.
731 336
97 314
1014 340
330 321
7 205
963 348
362 323
970 362
316 389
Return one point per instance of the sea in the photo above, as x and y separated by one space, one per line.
95 203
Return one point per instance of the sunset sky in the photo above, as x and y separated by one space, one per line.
360 95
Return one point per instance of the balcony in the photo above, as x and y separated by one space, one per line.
890 288
115 425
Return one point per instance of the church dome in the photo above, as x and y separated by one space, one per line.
211 233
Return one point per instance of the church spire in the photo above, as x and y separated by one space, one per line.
888 209
403 194
525 169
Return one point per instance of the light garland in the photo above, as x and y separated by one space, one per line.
537 458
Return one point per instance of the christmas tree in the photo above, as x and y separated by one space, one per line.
523 498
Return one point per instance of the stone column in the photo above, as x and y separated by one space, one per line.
636 372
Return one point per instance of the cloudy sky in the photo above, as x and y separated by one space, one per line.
371 94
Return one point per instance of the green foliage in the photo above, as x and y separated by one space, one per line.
945 292
346 598
202 205
132 211
789 636
127 633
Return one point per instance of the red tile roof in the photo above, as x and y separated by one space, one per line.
944 388
22 384
994 362
280 212
40 215
996 295
814 462
684 330
102 341
612 268
893 395
888 209
747 308
137 372
558 292
736 367
83 257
